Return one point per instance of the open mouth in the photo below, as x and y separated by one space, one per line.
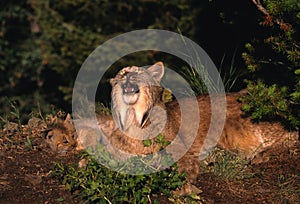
129 88
130 93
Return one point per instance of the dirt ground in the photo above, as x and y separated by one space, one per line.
26 163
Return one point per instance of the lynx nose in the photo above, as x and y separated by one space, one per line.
129 88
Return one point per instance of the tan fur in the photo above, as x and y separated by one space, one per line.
61 136
148 115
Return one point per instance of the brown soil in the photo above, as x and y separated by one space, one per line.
274 181
26 163
25 169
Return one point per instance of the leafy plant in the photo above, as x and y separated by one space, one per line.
266 103
98 184
160 139
262 101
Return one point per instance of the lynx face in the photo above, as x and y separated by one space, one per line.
61 136
135 92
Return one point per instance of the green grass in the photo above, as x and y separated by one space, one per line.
11 121
229 77
4 121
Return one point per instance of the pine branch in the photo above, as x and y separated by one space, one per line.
283 26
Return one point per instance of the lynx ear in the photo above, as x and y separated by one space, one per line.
112 81
157 71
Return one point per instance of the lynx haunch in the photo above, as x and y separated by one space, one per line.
139 113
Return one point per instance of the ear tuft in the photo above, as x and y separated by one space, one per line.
157 71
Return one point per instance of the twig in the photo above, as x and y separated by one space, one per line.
283 26
260 7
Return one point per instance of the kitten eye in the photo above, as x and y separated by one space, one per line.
49 136
65 140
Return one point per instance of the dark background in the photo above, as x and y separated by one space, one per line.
43 44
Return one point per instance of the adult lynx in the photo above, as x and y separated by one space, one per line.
139 113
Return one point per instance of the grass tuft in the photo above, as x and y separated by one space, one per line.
226 165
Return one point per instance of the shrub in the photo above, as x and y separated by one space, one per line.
98 184
275 60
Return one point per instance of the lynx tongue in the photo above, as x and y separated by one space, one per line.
130 99
130 93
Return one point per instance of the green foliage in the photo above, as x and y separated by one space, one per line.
159 140
230 75
102 109
98 184
199 84
281 37
73 29
264 101
147 143
268 103
13 115
44 43
20 58
275 59
142 164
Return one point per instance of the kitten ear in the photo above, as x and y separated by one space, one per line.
157 71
